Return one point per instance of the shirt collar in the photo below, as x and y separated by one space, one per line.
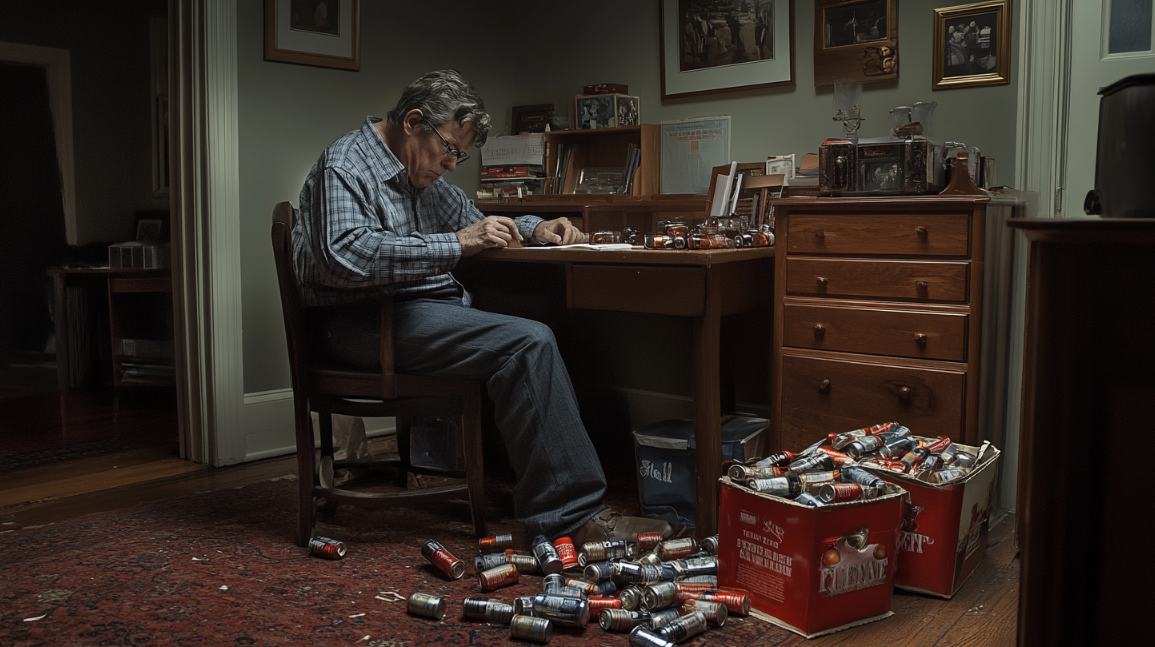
391 167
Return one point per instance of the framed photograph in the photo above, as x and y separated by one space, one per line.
780 165
149 229
725 46
324 33
972 45
855 39
530 119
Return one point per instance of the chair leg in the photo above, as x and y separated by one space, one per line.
325 470
404 446
305 470
470 442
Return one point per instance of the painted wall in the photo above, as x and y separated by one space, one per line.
289 113
109 46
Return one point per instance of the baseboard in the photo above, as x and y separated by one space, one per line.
267 420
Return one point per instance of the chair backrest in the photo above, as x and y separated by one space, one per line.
290 297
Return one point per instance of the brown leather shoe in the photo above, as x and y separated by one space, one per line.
611 524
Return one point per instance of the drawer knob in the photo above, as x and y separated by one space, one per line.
921 231
820 234
904 393
921 285
821 281
819 330
824 385
920 338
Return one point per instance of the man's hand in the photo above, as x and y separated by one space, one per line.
559 232
491 231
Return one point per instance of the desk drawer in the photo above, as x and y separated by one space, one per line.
824 395
917 280
902 333
907 234
679 291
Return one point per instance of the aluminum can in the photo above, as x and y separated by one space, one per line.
663 241
736 602
840 492
589 587
546 555
896 448
927 466
950 474
474 608
914 457
566 552
552 582
743 472
659 596
620 620
808 499
327 548
709 545
685 627
561 611
663 617
495 578
676 548
600 551
572 592
599 571
525 564
492 560
938 445
709 580
647 540
634 573
863 445
818 461
650 558
779 459
605 237
862 477
425 605
715 613
631 597
523 606
642 637
696 566
444 560
609 587
601 603
965 459
538 630
687 590
838 458
498 613
786 487
495 543
811 479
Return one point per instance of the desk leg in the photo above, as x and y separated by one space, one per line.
707 337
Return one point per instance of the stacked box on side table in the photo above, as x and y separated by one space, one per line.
944 533
812 570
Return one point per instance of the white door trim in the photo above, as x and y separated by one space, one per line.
206 233
58 66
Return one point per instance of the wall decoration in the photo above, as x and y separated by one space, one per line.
855 39
325 33
972 45
725 46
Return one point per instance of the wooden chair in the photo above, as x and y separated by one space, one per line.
328 390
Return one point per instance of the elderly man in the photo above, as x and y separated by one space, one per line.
384 221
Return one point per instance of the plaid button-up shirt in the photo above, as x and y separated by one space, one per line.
372 232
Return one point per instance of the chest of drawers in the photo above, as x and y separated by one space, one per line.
880 315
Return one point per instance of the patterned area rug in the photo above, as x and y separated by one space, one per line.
220 568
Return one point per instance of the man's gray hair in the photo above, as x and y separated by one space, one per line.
443 96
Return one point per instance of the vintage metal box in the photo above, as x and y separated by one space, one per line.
908 167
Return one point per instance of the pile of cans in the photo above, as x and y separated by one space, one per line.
838 468
660 592
715 233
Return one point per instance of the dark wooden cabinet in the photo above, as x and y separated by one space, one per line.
879 316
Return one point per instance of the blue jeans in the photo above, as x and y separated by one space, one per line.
560 483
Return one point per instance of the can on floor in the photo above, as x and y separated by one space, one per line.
327 548
444 560
495 544
538 630
496 578
425 605
566 552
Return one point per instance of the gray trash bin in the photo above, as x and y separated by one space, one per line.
667 467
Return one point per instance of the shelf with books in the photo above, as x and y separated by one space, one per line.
569 152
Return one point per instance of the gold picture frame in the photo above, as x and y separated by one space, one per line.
323 33
965 39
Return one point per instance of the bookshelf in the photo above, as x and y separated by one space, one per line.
606 147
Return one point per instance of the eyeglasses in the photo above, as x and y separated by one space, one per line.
449 150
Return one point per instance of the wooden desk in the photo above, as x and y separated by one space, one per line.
596 212
1088 388
127 318
702 285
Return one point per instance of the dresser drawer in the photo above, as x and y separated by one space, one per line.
918 280
823 395
907 234
901 333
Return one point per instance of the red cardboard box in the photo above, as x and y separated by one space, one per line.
944 533
811 570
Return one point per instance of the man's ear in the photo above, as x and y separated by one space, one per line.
412 121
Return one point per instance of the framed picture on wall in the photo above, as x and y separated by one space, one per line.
855 39
972 45
325 33
725 46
